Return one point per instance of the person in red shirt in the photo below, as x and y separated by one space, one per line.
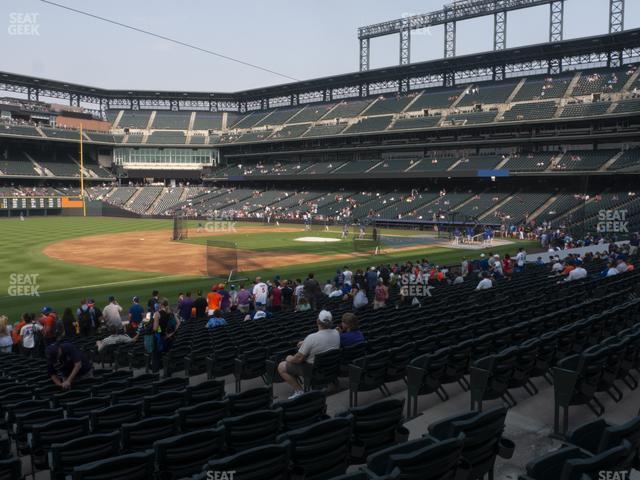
276 297
48 321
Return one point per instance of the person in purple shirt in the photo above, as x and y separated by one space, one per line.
350 333
225 303
243 298
185 306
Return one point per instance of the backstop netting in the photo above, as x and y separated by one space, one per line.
222 259
180 227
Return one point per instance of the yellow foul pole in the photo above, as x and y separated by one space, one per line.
84 205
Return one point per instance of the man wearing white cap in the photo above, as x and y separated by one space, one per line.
326 338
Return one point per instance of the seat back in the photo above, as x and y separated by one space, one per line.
43 435
326 369
83 408
141 435
252 429
134 466
65 456
617 458
10 469
259 398
375 425
421 459
483 433
163 403
303 410
131 394
269 462
322 448
203 415
111 418
170 384
184 455
205 392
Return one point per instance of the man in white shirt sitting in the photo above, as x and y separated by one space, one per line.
325 339
621 266
612 270
577 273
485 283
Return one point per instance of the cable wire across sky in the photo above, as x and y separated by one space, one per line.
169 39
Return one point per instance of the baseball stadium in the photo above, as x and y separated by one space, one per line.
418 271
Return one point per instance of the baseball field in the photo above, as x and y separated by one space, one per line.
57 261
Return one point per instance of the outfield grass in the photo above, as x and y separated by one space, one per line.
63 284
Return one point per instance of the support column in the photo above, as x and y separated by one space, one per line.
364 54
405 43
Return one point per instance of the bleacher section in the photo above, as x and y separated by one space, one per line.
529 162
435 99
208 121
530 111
519 207
409 123
629 161
17 165
600 81
585 109
370 124
537 88
562 204
171 120
487 94
66 134
347 109
584 160
290 131
27 130
385 106
470 118
121 195
159 137
325 130
134 119
278 117
249 120
478 162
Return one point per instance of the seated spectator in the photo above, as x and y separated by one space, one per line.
485 283
6 342
216 320
303 305
621 266
350 333
326 338
577 273
114 338
259 313
611 270
67 364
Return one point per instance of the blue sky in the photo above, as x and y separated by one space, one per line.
300 38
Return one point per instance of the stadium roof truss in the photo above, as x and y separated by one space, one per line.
614 49
460 10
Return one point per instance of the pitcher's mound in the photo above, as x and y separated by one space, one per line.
316 239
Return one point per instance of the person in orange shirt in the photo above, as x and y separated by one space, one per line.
567 269
213 300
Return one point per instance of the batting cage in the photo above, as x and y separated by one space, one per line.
180 227
222 259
